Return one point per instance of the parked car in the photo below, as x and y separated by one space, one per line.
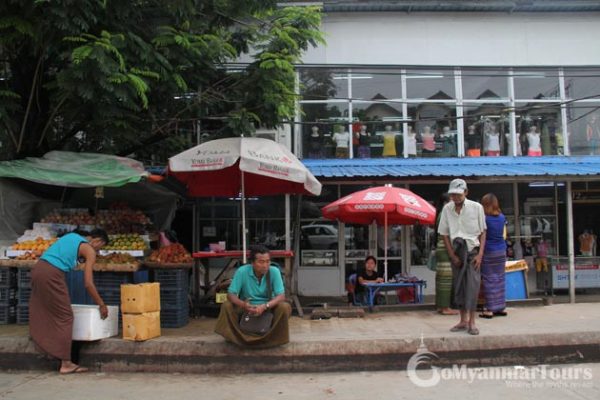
324 236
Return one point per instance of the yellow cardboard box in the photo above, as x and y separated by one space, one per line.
140 298
140 327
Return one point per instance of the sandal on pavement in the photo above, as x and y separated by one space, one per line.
500 313
487 316
458 328
473 331
77 370
449 312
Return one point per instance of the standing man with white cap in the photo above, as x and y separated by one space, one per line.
462 226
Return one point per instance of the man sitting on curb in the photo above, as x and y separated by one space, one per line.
249 293
462 226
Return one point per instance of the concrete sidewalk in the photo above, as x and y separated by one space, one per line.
561 333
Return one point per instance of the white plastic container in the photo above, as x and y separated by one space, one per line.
88 326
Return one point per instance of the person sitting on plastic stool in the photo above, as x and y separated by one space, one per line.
366 275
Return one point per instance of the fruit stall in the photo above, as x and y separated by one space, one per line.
107 192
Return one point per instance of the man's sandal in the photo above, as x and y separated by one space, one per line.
458 328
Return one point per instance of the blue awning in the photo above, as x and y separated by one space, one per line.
502 168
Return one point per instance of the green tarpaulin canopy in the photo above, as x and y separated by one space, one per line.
63 168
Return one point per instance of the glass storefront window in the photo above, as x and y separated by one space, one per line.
486 128
435 130
431 118
381 121
394 250
430 84
536 84
322 84
321 123
481 84
376 84
539 128
584 128
582 83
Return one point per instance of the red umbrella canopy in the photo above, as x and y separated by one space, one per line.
214 168
402 206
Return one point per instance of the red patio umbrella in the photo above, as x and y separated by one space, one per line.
383 205
245 166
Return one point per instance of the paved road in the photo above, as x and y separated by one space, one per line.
559 383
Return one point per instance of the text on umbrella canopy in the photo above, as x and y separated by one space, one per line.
377 196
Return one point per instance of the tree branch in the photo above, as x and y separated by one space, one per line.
29 103
50 118
11 133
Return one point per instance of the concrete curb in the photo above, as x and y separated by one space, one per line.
208 355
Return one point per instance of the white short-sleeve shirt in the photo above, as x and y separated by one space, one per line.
469 224
341 139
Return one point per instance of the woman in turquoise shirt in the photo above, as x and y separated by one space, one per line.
50 313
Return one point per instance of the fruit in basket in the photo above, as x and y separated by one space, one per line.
172 254
70 217
116 258
126 242
28 256
120 219
39 244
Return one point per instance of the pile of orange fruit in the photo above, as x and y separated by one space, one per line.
39 244
29 256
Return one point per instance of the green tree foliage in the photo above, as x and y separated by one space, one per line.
128 76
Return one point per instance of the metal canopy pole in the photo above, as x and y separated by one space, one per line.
244 256
571 243
385 248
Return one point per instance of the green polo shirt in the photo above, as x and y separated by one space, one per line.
246 286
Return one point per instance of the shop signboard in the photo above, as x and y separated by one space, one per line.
321 258
586 275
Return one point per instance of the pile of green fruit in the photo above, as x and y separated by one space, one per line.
131 241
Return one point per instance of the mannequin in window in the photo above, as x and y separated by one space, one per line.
342 141
364 141
473 140
592 131
428 139
587 243
315 143
389 142
541 261
411 142
492 141
448 142
534 148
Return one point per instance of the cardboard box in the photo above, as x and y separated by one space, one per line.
139 327
88 326
140 298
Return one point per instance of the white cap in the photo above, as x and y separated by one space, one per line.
458 186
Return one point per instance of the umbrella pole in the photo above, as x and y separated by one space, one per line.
385 248
244 256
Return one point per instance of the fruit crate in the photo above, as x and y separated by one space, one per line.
133 253
24 293
111 279
8 277
174 318
24 277
23 314
171 298
8 296
176 278
8 314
